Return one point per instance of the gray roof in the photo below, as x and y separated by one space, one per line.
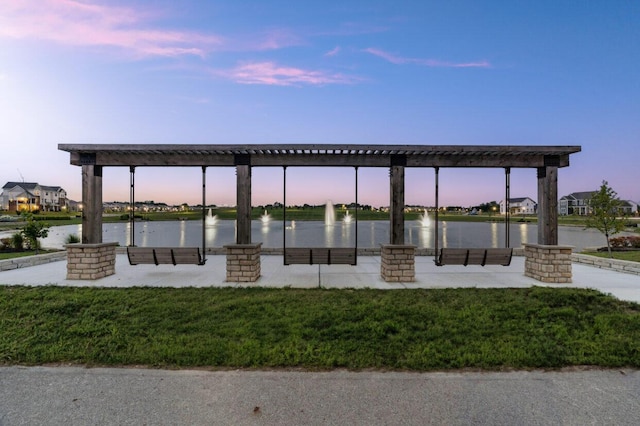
29 186
51 188
584 195
519 200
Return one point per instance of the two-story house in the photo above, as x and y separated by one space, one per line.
629 208
31 196
523 205
575 203
578 203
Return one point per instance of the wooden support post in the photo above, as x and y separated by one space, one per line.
132 205
548 205
204 213
396 176
507 206
243 204
91 204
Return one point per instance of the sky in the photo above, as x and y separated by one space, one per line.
455 72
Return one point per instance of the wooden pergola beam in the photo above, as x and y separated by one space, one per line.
320 155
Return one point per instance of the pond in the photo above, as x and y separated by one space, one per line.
317 233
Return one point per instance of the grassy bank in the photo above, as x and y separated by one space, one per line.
633 256
318 329
12 255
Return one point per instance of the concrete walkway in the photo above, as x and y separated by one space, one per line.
110 396
80 396
365 275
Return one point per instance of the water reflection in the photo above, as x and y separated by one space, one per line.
310 233
183 232
329 236
523 233
346 234
145 235
425 236
494 234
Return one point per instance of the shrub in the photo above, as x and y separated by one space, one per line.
5 244
72 239
33 230
625 242
17 241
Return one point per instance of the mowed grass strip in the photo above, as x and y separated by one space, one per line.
318 329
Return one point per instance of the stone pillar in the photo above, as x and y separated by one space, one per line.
90 261
243 262
548 263
398 263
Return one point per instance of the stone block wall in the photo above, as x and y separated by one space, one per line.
398 263
243 262
24 262
548 264
625 266
90 261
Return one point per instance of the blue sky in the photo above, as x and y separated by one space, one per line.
352 72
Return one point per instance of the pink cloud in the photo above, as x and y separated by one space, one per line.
71 22
276 38
333 52
269 73
399 60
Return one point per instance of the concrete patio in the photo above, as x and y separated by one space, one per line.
365 275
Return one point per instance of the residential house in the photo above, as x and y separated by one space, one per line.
629 208
575 203
523 205
578 203
31 196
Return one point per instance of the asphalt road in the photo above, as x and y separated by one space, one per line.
112 396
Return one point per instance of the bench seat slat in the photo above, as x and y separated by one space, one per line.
474 256
141 256
164 256
320 256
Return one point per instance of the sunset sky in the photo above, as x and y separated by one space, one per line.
340 72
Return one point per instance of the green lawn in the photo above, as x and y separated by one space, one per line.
633 256
417 330
25 253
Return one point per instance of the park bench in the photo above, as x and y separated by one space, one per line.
319 256
474 256
164 256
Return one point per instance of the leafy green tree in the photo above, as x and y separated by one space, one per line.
606 214
33 230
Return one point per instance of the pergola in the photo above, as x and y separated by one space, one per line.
94 157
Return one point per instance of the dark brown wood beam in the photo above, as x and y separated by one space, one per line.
91 204
243 207
548 205
396 204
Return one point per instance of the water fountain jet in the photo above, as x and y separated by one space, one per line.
211 219
329 214
424 220
347 218
265 218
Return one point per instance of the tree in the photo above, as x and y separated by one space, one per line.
605 215
33 230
